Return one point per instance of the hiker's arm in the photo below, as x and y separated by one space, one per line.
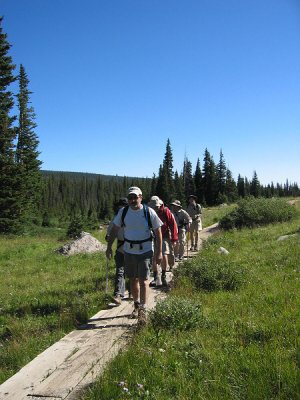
110 239
158 245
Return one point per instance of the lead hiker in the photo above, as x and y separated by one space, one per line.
138 221
195 211
169 232
119 255
183 221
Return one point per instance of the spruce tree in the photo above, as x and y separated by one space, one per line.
221 174
9 197
27 150
241 186
188 179
231 191
198 182
255 186
179 188
165 181
209 179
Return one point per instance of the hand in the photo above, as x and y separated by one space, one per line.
159 258
109 253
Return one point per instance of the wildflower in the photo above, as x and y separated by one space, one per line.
161 350
122 384
140 386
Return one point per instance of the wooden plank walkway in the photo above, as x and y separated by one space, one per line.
69 366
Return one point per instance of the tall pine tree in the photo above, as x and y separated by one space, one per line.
9 197
27 150
188 179
165 181
209 179
198 182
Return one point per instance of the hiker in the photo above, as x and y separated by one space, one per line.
169 233
119 255
183 221
138 221
194 210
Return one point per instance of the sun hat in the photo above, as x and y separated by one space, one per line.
155 201
192 196
176 203
134 190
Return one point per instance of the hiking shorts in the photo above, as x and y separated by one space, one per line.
138 265
167 247
196 226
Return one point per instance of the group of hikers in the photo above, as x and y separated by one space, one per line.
149 236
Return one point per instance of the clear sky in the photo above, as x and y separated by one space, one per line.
113 80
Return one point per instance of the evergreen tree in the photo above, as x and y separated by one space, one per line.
188 179
198 182
10 207
255 186
231 191
165 182
27 153
221 174
241 186
209 179
179 188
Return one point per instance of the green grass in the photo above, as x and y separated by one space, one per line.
211 215
248 346
44 295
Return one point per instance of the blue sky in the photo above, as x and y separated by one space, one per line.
113 80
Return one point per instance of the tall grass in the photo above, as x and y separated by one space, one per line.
43 295
248 344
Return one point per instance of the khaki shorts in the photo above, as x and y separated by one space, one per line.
196 226
138 265
167 247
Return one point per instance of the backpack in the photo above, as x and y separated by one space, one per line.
148 219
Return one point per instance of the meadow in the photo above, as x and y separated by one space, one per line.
243 342
44 295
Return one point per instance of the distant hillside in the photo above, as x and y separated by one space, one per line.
90 176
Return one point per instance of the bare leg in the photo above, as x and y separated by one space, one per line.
134 285
144 287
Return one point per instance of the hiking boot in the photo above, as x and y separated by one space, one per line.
135 311
195 248
142 317
153 283
180 258
164 281
192 248
117 300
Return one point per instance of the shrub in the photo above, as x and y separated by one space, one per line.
252 212
75 228
176 313
211 273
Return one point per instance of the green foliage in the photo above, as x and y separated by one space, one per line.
75 227
216 272
253 212
176 313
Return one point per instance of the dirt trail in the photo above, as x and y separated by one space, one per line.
67 367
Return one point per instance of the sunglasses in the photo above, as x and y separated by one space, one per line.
132 197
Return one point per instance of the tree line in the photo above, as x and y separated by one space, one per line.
29 195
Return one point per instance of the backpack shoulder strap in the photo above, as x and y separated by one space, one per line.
124 212
147 215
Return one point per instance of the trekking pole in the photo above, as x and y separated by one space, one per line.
187 245
106 284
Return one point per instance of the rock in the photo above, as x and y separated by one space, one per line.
285 237
222 250
85 243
